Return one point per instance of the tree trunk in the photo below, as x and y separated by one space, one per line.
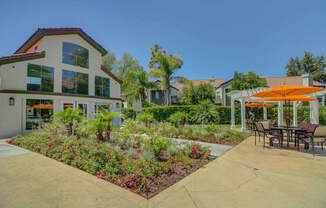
142 96
167 90
70 129
108 132
99 135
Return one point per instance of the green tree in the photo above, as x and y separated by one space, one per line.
206 113
194 94
165 67
308 64
109 61
135 84
247 81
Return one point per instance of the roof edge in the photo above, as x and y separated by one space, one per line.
108 72
21 57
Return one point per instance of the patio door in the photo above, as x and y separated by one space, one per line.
84 106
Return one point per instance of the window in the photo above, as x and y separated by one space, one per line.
40 78
102 86
73 54
38 112
117 105
74 82
83 108
68 105
99 107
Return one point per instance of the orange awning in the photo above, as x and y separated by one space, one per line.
259 105
288 90
291 98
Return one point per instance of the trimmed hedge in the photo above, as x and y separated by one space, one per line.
162 113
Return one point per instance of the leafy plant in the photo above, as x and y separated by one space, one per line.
178 118
206 113
146 118
68 116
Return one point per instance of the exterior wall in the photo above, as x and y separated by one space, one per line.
13 118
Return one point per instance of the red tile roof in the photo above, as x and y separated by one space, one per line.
41 32
217 82
295 80
21 57
108 72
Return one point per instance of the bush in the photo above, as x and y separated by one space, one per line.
127 113
146 118
178 118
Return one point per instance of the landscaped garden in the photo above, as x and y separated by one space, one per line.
143 164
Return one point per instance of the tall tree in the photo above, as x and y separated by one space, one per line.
109 61
247 81
165 67
308 64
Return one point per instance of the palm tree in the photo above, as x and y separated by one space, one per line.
165 67
102 122
135 84
68 116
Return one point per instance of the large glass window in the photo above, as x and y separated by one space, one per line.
102 86
74 55
38 112
74 82
40 78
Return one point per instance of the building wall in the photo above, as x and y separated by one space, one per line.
13 118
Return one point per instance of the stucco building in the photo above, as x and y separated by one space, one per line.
54 69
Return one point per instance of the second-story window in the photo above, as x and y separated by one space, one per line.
74 82
74 55
40 78
102 86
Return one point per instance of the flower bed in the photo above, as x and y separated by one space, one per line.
205 133
143 165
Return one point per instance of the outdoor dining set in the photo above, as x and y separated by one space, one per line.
308 135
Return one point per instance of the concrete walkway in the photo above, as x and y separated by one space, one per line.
245 176
7 150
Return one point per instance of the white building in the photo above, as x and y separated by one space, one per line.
54 69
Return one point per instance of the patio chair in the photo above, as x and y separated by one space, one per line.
307 137
320 136
265 132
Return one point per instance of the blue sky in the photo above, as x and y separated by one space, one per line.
214 38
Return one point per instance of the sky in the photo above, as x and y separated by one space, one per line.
214 38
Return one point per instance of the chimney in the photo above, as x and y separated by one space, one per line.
307 80
212 82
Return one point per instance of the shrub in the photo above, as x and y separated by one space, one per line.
146 118
206 113
127 113
178 118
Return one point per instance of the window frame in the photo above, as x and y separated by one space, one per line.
102 87
76 83
42 77
66 52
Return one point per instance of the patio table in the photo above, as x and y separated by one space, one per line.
289 129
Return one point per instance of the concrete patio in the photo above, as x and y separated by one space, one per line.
245 176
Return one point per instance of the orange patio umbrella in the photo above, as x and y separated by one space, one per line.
291 98
43 106
287 90
259 105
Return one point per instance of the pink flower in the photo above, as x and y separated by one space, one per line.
49 137
50 145
101 176
10 142
63 132
95 145
54 137
69 146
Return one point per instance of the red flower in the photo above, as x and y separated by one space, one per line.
138 142
193 150
101 176
10 142
63 132
69 146
54 137
49 137
55 141
50 144
95 145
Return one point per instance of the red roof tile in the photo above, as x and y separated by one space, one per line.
41 32
21 57
108 72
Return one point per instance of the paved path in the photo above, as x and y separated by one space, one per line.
245 176
216 149
7 150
